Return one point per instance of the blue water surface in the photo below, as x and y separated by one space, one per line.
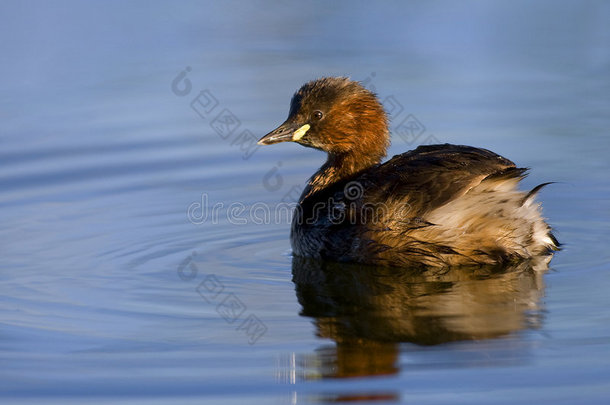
135 268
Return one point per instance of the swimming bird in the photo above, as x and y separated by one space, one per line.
437 205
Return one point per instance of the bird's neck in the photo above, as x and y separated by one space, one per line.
338 167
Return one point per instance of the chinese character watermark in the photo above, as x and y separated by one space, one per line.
227 304
224 123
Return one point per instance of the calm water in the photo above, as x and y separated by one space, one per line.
136 266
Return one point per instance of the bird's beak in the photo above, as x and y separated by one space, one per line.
288 131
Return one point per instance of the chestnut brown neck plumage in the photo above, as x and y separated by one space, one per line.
356 137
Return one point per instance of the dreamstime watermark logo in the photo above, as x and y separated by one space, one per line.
353 190
347 207
228 305
238 213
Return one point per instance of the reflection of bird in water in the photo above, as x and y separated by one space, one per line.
368 310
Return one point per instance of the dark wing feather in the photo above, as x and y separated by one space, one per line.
433 175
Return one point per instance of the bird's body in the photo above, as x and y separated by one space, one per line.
438 205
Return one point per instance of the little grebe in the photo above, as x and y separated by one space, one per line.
438 205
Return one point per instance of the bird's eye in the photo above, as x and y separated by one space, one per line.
317 115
